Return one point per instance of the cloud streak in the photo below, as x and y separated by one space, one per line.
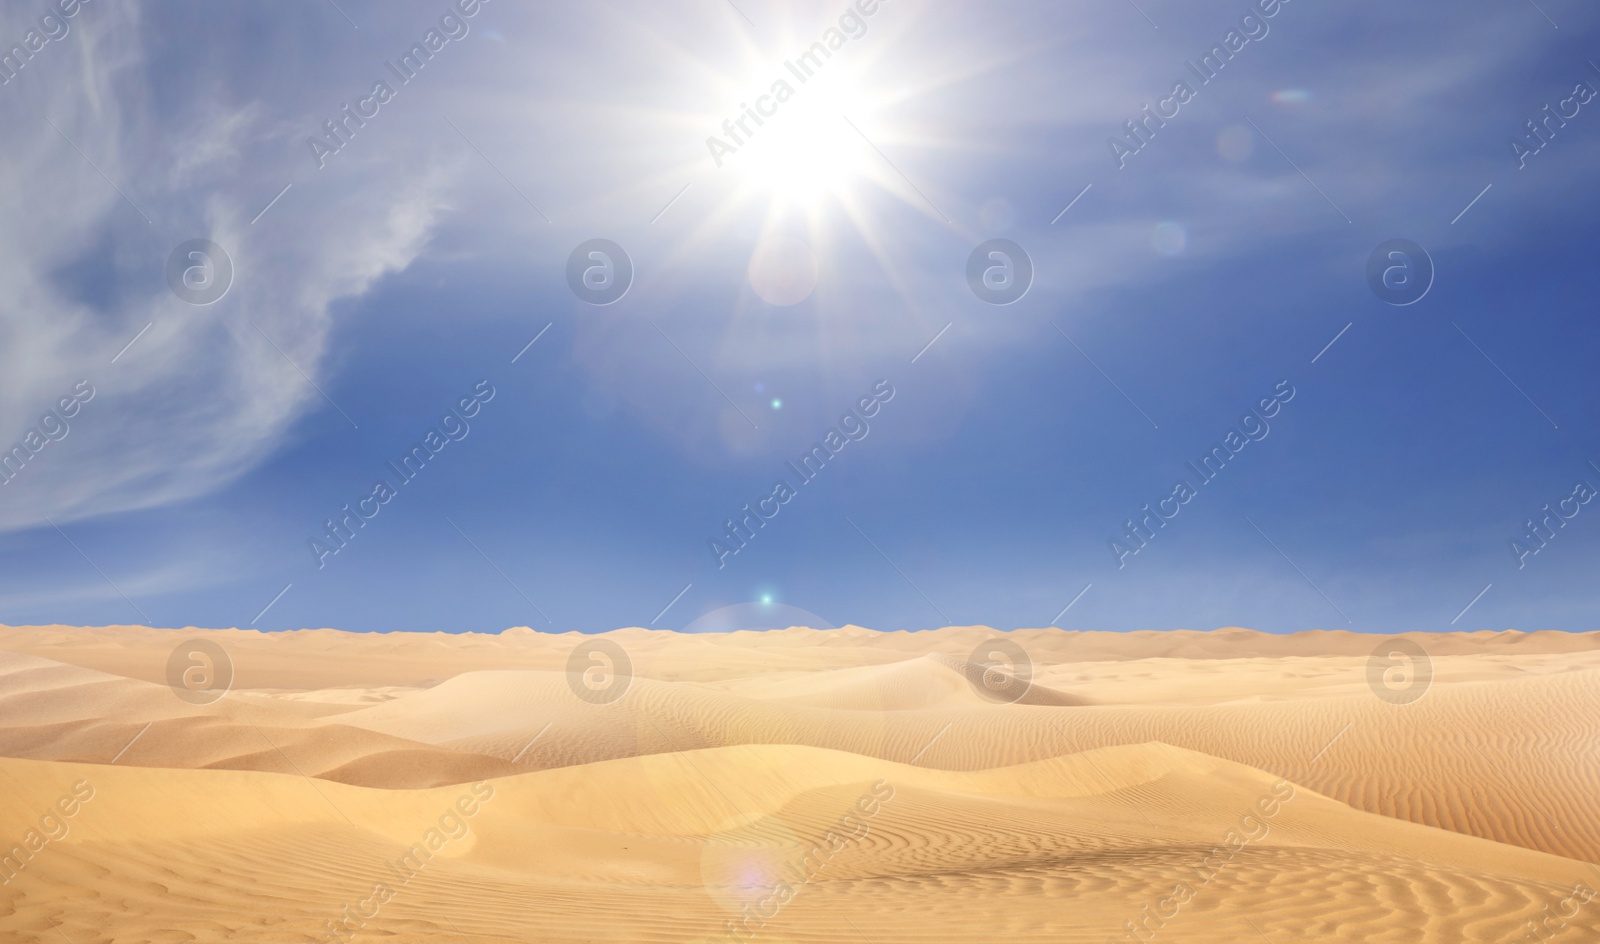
195 396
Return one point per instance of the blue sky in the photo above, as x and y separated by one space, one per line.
1175 294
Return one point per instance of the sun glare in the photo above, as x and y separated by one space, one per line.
804 138
805 152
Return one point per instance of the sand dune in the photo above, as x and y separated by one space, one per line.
59 712
1259 774
578 852
1445 761
930 681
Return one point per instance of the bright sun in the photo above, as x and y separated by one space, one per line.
805 151
806 135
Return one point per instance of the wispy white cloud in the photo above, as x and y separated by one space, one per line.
201 396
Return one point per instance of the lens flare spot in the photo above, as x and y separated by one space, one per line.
997 215
783 271
1169 239
1235 143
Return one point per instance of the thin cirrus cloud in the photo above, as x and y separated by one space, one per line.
186 398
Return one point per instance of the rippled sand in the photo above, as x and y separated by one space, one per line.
802 785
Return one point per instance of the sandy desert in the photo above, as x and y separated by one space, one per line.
798 785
